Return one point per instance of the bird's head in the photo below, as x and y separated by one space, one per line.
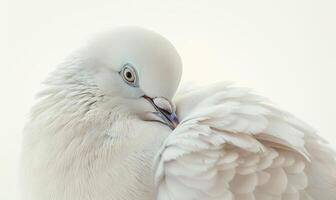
136 70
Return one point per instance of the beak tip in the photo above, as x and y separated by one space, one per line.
174 122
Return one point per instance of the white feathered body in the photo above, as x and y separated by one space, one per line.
230 144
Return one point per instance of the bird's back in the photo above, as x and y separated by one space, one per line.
232 144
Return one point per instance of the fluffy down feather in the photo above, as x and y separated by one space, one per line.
233 144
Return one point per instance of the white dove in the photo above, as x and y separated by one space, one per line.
105 128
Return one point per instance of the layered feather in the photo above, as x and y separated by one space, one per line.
234 144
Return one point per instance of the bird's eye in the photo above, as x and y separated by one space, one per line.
129 75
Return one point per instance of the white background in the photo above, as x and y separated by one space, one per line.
285 49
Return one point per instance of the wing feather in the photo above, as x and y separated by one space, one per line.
234 144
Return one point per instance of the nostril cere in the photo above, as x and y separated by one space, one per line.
163 104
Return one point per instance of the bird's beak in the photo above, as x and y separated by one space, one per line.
164 110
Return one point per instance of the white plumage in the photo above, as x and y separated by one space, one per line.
233 144
102 130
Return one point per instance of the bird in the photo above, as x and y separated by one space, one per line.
113 123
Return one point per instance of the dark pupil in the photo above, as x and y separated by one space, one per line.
129 75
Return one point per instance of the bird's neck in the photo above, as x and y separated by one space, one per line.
78 153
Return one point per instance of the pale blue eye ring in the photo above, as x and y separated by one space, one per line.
129 75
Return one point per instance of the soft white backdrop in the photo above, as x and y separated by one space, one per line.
285 49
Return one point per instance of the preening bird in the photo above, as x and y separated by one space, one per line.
109 126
